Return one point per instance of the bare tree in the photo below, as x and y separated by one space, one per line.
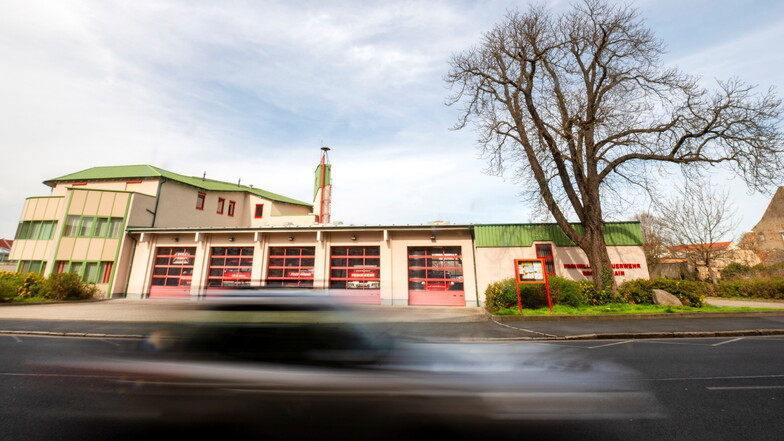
654 235
581 107
697 220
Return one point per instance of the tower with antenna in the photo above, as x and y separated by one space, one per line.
322 191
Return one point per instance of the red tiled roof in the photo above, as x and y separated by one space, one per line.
6 243
700 246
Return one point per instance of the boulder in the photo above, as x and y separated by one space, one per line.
662 297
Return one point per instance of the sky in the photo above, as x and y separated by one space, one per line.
251 90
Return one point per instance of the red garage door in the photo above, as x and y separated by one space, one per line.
355 274
230 267
435 276
291 266
172 272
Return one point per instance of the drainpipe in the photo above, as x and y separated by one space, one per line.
473 254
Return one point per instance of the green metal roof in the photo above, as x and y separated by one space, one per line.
148 171
524 235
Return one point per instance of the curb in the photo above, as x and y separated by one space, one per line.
71 334
674 315
608 336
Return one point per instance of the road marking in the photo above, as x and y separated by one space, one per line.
523 329
743 387
669 342
18 340
611 344
110 342
728 341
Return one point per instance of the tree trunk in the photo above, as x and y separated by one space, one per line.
598 258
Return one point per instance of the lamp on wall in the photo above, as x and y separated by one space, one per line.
176 239
432 237
231 239
353 237
291 238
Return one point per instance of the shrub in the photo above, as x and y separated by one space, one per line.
501 294
567 292
29 285
772 288
637 292
7 290
595 296
68 286
690 293
735 270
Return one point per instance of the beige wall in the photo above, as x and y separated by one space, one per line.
147 186
39 208
495 264
43 208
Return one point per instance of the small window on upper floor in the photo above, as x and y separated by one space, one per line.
259 213
231 208
200 200
221 203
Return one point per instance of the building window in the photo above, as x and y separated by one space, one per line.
71 226
221 203
200 200
355 268
173 266
291 266
90 272
32 266
545 251
259 211
230 266
91 226
115 227
231 208
435 269
36 230
86 227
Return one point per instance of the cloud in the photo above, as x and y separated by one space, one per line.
251 90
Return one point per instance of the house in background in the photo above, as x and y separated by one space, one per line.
707 260
767 237
6 264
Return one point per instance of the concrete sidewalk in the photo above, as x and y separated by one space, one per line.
136 318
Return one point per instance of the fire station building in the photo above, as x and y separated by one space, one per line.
143 232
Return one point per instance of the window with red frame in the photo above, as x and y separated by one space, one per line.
259 212
291 266
200 200
355 268
231 208
221 203
230 266
545 251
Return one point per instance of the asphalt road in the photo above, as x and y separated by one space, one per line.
711 389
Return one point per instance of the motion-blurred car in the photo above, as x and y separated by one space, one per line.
280 364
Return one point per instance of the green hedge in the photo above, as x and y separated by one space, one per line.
772 288
502 294
640 291
66 286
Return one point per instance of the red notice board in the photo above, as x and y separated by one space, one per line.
531 271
